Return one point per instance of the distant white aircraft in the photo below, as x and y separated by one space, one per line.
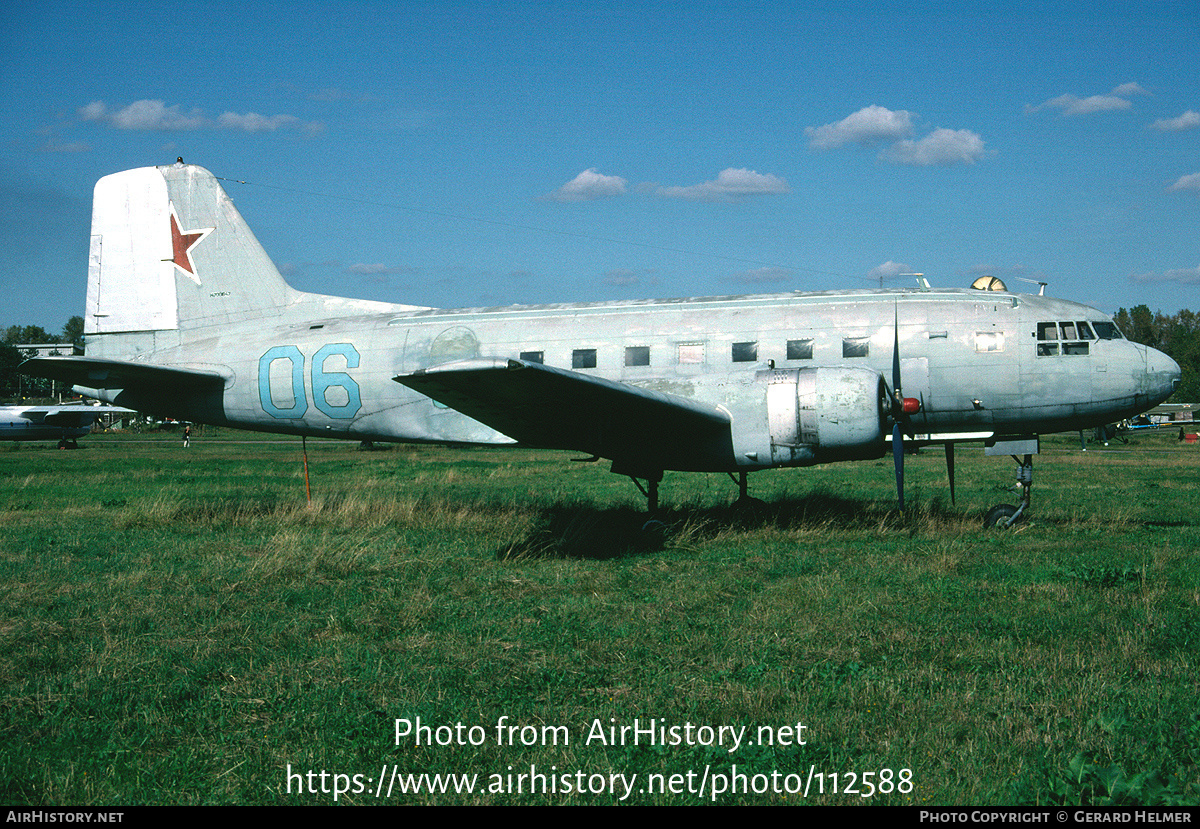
188 317
63 423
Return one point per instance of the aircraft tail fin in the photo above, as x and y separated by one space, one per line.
169 251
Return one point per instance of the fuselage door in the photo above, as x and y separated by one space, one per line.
783 414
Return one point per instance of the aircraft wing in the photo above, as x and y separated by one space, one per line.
553 408
74 416
96 373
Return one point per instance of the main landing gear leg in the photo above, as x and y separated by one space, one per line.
1004 516
743 498
650 490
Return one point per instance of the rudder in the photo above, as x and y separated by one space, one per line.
169 251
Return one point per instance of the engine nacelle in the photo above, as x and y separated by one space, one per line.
824 414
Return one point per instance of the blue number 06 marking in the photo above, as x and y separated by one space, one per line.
299 401
321 382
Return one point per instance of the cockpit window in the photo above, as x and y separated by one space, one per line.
1072 334
1107 330
1047 334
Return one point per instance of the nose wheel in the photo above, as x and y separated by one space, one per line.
1003 516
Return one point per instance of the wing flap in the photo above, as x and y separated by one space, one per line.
554 408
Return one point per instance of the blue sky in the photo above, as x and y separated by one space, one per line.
471 153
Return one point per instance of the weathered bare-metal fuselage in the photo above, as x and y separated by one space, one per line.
970 357
188 317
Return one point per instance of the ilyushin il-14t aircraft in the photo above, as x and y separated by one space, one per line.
188 317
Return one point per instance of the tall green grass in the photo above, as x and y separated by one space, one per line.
181 626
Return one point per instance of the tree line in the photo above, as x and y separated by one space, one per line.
14 385
1178 335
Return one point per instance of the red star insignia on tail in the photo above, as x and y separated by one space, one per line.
182 243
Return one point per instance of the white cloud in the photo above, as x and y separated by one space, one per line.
879 125
730 184
154 115
1189 120
377 269
69 147
1189 182
589 186
888 270
253 122
1131 88
1074 105
625 278
1184 276
870 125
143 115
93 111
942 146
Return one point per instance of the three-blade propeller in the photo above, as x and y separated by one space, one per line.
897 414
902 409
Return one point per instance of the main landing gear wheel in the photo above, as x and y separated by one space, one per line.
1003 516
1000 516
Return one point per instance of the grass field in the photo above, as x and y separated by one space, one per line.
181 627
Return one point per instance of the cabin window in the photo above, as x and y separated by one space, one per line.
1067 329
637 355
856 347
691 354
533 356
745 352
989 341
800 349
1075 348
583 358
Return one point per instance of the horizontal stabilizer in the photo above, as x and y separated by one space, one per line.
96 373
552 408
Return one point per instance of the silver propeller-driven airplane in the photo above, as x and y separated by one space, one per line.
188 317
63 423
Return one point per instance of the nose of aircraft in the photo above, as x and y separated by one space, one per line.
1162 375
